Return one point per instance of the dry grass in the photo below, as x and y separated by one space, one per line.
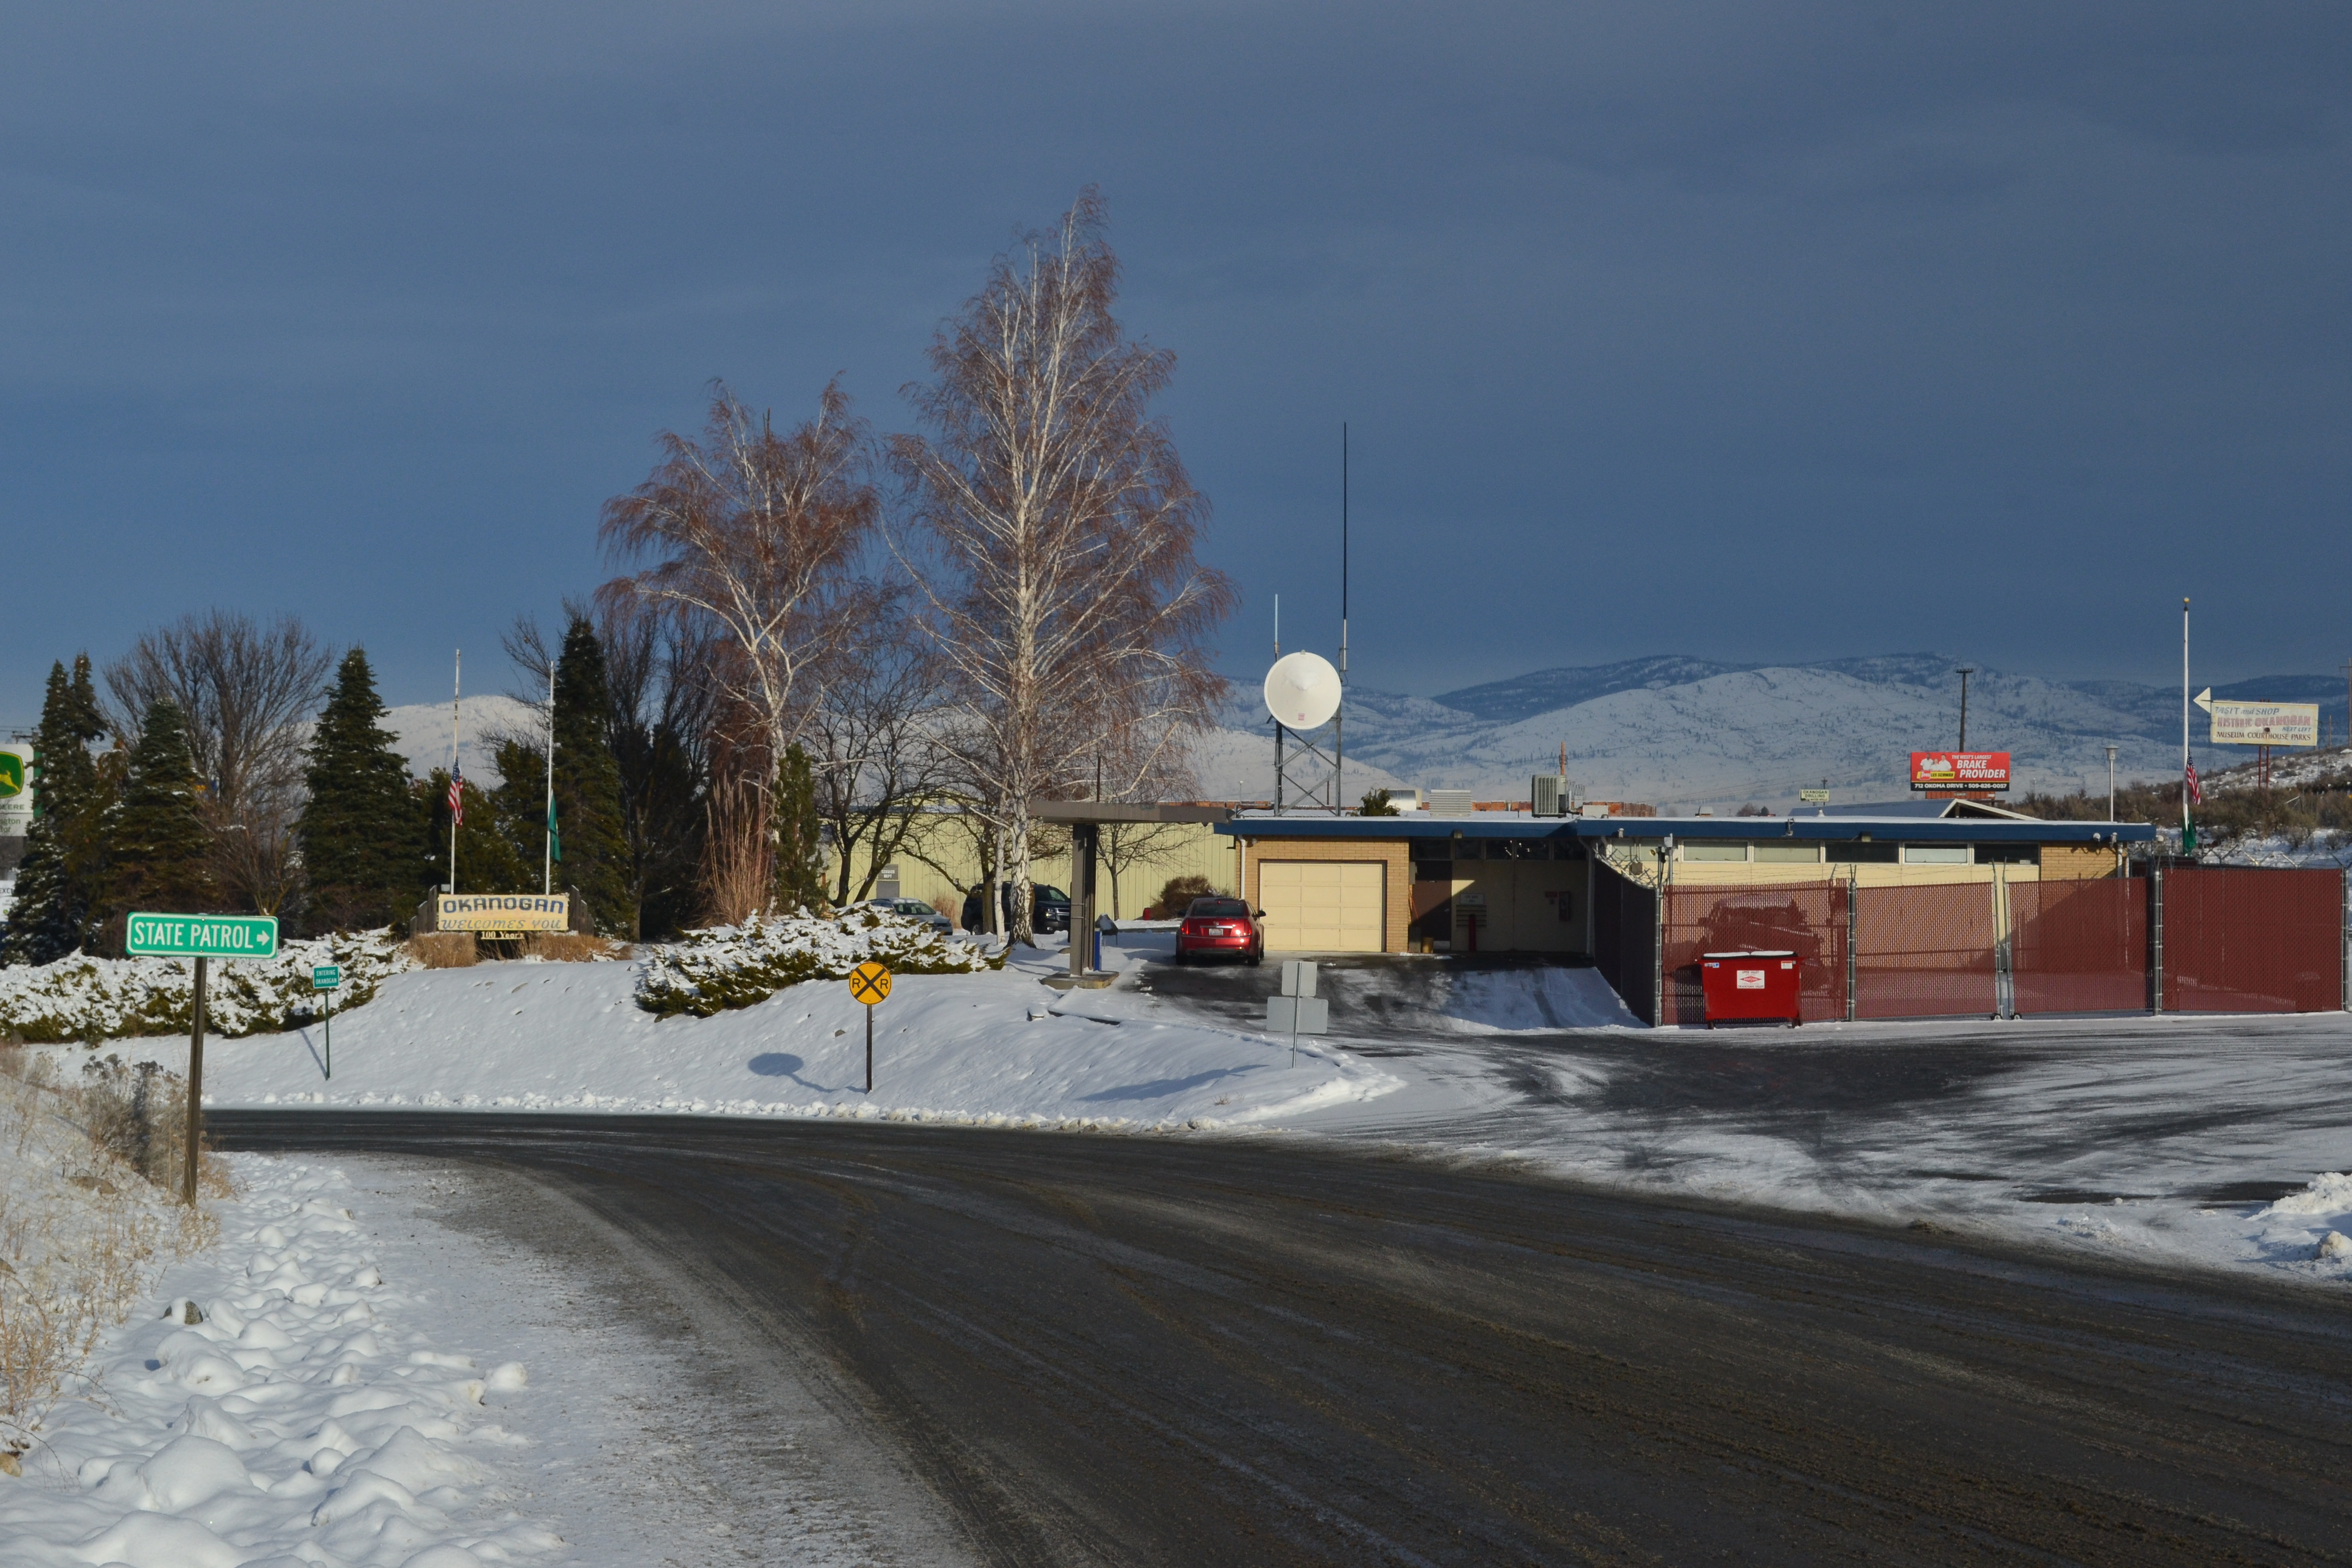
445 949
571 947
87 1174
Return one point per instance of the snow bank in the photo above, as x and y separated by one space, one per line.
80 998
990 1049
707 972
279 1408
1542 998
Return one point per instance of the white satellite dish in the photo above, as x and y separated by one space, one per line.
1302 690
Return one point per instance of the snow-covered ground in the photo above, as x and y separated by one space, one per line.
365 1382
2186 1140
998 1049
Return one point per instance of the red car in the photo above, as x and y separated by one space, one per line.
1220 925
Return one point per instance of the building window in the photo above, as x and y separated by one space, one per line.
1859 854
1432 870
1789 854
1714 851
1935 853
2009 854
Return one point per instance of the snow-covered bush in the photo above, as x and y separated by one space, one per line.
707 972
93 999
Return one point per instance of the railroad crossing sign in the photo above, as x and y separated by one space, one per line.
869 983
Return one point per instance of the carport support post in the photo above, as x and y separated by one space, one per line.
1083 836
195 1088
2156 937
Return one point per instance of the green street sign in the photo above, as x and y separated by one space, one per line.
326 977
201 936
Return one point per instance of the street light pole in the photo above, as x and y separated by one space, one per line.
2111 783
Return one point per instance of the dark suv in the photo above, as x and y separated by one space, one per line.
1049 908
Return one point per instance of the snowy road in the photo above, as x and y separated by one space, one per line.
1185 1350
2152 1138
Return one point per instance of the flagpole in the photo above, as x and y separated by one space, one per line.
547 864
2185 828
456 681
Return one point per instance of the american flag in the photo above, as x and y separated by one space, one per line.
2195 794
457 797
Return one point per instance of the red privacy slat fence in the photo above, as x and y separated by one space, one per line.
1922 953
2252 942
2226 939
2079 947
1808 919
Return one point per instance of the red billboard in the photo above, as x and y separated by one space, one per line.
1959 770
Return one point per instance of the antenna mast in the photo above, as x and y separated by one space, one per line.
1338 720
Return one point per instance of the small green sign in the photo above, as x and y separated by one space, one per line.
11 776
201 936
326 977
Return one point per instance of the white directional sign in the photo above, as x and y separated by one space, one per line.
2238 723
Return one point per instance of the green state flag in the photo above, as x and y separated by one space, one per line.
554 839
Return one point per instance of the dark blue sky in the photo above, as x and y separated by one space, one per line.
1757 333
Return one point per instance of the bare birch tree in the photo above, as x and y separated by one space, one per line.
1052 534
754 537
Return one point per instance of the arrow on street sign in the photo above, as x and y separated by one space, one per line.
2204 699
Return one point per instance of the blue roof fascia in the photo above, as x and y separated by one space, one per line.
1837 829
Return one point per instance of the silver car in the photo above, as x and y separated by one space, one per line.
913 909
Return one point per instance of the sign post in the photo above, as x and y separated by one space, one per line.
203 938
869 983
327 977
1298 1009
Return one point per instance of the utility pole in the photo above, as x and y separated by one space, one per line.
1964 672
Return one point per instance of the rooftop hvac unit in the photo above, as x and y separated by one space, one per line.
1450 803
1551 796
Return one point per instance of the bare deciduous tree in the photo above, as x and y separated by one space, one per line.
1052 537
248 691
875 738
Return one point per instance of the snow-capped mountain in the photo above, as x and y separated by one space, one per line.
1683 733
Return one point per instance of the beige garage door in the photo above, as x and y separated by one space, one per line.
1323 906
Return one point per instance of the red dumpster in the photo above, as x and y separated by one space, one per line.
1760 983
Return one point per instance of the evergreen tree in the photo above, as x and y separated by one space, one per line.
359 829
159 849
800 856
64 849
596 862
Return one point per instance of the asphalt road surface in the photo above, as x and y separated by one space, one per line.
1260 1351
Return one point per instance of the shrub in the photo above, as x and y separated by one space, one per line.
1179 891
707 972
95 999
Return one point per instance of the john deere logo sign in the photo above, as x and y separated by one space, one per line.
15 789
